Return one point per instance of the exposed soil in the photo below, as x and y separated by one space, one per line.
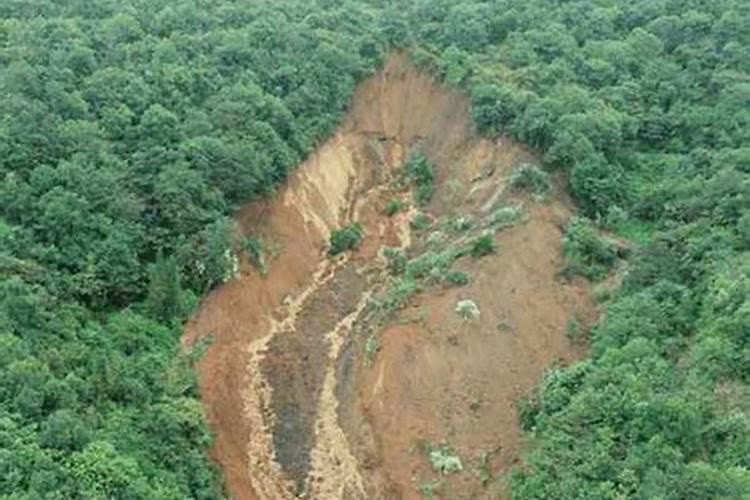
297 408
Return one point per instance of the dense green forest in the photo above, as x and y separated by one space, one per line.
646 105
130 129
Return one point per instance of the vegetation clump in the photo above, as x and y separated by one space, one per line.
396 260
347 238
444 460
460 224
482 246
421 175
468 310
393 207
430 263
586 252
420 222
256 251
457 278
396 295
505 217
527 177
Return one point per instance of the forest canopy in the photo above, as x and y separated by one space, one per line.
130 130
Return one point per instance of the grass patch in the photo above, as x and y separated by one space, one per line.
527 177
346 238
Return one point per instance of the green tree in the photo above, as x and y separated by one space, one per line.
164 300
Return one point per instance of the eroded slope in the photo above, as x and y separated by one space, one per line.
296 406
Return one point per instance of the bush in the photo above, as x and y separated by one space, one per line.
398 293
482 245
505 217
421 175
586 253
531 178
430 264
393 207
346 238
420 222
396 258
598 185
460 224
372 346
468 310
423 194
256 253
437 239
457 278
444 460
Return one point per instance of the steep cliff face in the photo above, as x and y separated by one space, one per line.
296 406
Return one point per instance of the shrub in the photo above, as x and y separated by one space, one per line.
573 330
346 238
457 278
398 293
598 185
430 488
420 222
468 310
256 253
743 230
372 346
437 238
420 173
505 217
444 460
393 207
531 178
460 224
586 253
482 245
396 258
426 264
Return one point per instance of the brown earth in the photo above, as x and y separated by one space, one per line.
296 408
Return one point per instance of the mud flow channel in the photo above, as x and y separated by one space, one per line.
311 394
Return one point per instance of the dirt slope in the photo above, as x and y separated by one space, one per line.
296 408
